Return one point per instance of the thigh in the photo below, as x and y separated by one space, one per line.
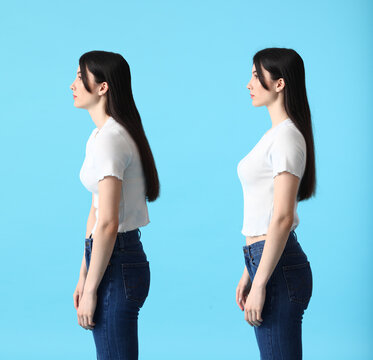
288 293
115 333
280 335
120 296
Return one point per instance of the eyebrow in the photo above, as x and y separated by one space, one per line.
78 72
254 71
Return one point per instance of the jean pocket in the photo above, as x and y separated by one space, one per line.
299 282
136 281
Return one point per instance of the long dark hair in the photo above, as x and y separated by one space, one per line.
120 105
287 64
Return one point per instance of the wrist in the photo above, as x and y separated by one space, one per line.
245 279
258 285
90 290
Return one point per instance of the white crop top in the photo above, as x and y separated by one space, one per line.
282 148
113 152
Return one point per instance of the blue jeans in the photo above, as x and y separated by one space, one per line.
120 295
288 292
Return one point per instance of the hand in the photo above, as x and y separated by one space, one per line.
86 310
78 292
242 290
254 305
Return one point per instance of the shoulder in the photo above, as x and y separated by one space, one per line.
111 143
113 135
288 143
289 135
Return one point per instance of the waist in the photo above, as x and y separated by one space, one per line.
123 239
292 245
253 239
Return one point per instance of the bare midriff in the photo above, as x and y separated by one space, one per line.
253 239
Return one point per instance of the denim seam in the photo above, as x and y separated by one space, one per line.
107 319
277 293
281 354
270 342
116 335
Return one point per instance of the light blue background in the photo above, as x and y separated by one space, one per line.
190 62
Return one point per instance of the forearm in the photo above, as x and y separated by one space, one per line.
90 224
105 236
246 275
83 267
91 221
277 235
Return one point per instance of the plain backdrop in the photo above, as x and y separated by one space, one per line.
190 63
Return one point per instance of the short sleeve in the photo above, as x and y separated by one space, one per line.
288 153
112 155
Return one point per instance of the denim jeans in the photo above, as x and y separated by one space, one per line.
288 292
120 295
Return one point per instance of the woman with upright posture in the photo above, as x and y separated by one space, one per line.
276 285
120 172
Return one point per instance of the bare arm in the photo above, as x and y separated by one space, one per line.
91 220
245 275
243 289
285 191
109 189
90 224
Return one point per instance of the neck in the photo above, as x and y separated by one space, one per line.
98 115
277 110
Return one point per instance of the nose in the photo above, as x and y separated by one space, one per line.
248 86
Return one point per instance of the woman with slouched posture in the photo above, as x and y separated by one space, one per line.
120 171
276 285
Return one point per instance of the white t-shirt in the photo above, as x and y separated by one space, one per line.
282 148
111 151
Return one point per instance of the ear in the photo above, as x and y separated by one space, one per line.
104 87
280 84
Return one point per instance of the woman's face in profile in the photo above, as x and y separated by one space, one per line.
82 98
259 95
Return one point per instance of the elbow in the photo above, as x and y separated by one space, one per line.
283 221
109 227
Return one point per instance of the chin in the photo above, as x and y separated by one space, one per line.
257 104
78 106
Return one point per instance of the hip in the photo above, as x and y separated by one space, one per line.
292 273
128 268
